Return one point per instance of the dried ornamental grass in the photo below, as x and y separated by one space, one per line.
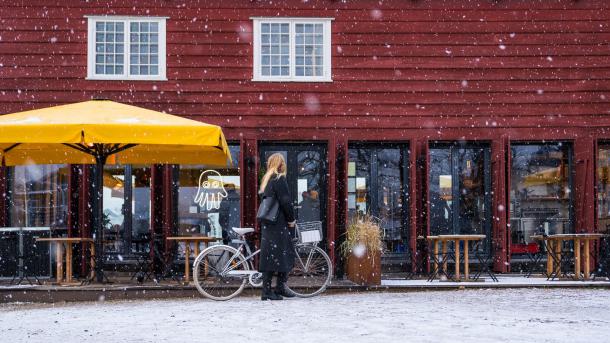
363 235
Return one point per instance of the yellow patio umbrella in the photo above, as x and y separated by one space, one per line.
105 132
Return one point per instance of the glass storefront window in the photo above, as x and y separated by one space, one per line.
209 199
540 192
127 209
603 188
377 185
38 196
459 189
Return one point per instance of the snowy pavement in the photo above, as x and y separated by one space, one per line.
498 315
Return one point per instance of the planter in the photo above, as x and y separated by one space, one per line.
365 270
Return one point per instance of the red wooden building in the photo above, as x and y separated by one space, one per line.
436 116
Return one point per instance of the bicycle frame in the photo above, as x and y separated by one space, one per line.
247 259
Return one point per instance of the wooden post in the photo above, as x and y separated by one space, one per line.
444 247
435 242
58 261
587 260
92 261
466 267
577 259
457 258
558 246
68 261
196 248
187 255
549 259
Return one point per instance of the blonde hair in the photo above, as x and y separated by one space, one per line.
276 165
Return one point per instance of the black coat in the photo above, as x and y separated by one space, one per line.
277 249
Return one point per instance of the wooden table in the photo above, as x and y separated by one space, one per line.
60 243
187 254
554 244
456 239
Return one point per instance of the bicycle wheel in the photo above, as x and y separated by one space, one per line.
210 272
311 273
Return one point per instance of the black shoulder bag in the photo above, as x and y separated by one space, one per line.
268 210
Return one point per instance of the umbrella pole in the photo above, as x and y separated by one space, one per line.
97 216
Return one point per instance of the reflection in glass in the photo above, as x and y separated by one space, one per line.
308 186
540 192
126 208
38 195
194 219
603 188
376 183
459 180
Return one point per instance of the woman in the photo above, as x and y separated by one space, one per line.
277 251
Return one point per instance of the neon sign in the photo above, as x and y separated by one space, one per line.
211 190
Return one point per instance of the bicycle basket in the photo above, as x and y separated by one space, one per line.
309 232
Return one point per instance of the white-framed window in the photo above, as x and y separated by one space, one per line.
292 49
126 48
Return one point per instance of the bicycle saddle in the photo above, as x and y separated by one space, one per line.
243 230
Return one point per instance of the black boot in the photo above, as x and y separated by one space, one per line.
268 294
280 287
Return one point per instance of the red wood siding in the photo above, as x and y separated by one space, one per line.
407 64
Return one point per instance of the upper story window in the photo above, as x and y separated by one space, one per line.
126 48
292 49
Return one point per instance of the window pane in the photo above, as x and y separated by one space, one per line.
207 217
375 186
142 59
309 41
108 42
540 193
275 47
38 195
603 189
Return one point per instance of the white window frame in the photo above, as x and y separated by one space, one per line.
91 75
256 73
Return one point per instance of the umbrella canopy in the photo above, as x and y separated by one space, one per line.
102 131
124 134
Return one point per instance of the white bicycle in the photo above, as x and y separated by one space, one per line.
221 272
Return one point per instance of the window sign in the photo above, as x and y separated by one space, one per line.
211 190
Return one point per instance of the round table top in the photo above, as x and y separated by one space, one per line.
570 236
64 239
193 238
454 237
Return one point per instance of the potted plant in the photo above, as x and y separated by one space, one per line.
363 248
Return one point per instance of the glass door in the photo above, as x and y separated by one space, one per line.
127 207
306 176
460 189
377 184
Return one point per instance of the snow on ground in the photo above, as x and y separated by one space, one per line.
510 315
